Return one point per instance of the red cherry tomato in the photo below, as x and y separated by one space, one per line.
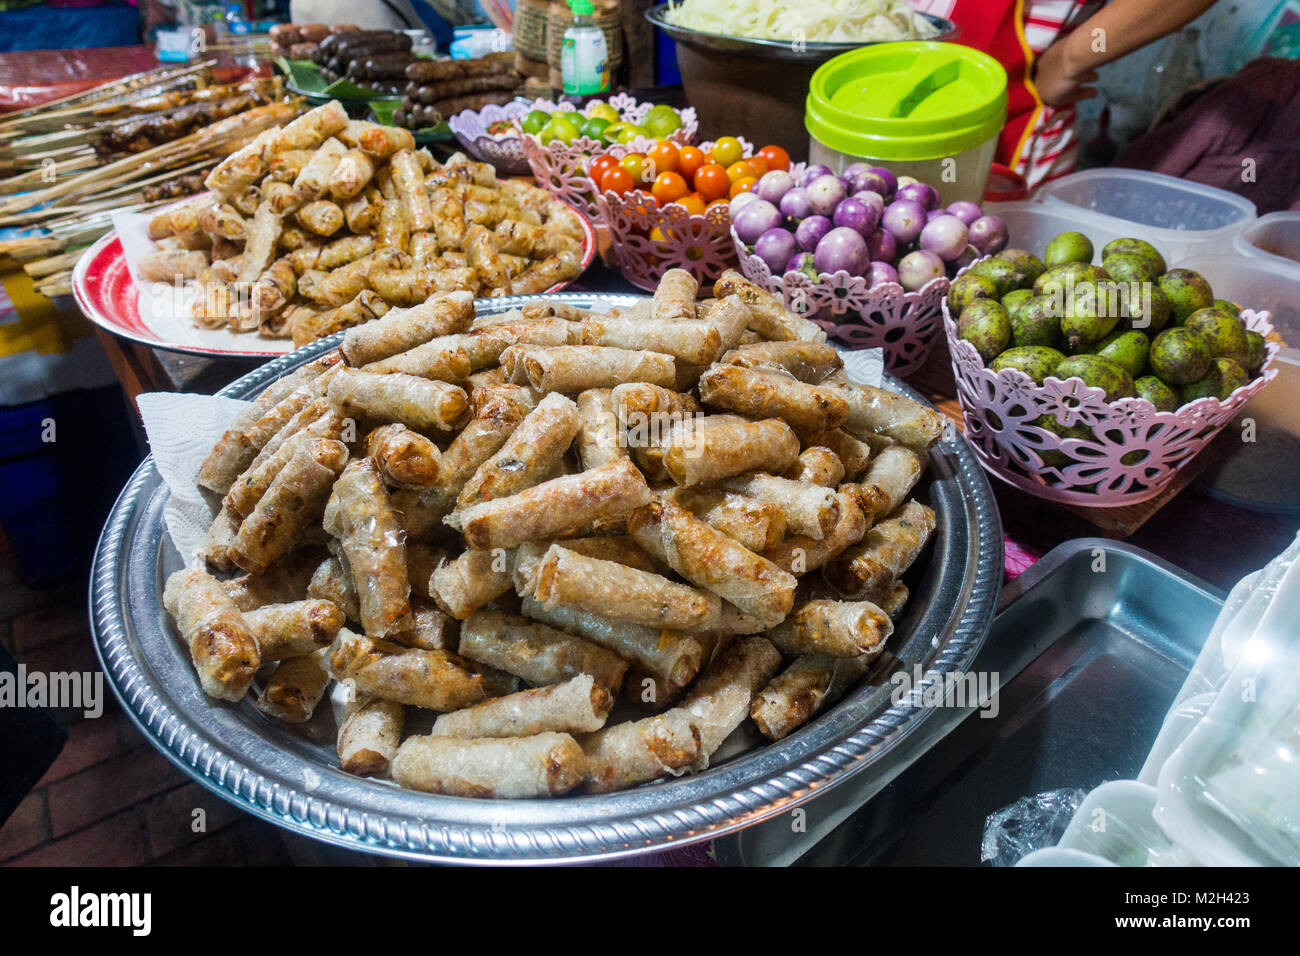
759 164
775 157
617 180
600 166
665 156
689 160
712 181
669 187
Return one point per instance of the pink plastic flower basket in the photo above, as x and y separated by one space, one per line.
700 244
1134 451
560 168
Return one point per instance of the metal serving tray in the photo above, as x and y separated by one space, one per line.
1091 643
292 778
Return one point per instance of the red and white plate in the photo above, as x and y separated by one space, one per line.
108 295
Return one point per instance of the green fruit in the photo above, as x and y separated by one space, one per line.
1164 398
1232 375
1146 308
560 127
661 121
1138 247
534 121
1099 373
1060 278
594 128
1089 315
1026 263
1130 267
1016 300
1180 356
985 325
1226 306
1187 291
1255 342
1128 350
1068 247
1036 361
1209 385
613 131
1034 323
1049 423
602 110
966 288
1004 274
1223 332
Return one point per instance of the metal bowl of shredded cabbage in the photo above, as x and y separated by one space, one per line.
778 29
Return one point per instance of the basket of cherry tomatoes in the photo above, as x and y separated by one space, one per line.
666 206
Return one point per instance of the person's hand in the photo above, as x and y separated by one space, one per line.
1056 84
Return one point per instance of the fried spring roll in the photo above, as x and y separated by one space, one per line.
296 688
295 629
384 141
223 651
290 505
544 765
322 217
763 393
430 629
810 510
853 454
694 341
285 581
756 525
214 549
168 266
768 316
369 737
443 359
434 680
332 581
876 411
674 297
415 402
636 404
709 559
627 754
720 699
624 594
313 180
807 361
800 554
893 474
374 546
886 551
576 368
351 174
462 586
578 705
695 454
403 329
560 506
729 316
406 459
318 421
806 688
310 129
817 466
833 629
528 454
259 247
539 654
600 440
665 655
408 179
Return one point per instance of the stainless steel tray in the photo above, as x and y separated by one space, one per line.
1091 644
293 780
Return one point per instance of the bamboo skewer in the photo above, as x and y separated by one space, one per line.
126 86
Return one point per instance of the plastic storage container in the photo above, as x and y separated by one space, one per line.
1274 236
1178 217
1262 475
928 110
1031 225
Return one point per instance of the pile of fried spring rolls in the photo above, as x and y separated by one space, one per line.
681 514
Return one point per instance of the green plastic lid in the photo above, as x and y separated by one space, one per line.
582 7
912 100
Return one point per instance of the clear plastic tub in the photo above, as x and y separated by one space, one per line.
1179 217
1031 225
1273 236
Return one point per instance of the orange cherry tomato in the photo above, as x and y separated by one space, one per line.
712 181
617 180
692 203
665 156
742 185
719 202
741 170
759 164
689 159
600 166
669 187
727 150
775 157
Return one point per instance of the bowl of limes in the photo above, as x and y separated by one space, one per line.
559 138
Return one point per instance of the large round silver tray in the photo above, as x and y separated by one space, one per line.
777 49
291 777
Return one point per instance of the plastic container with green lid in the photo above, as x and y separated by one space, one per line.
928 110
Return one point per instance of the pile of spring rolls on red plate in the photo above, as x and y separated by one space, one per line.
326 223
510 527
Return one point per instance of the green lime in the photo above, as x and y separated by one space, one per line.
661 121
631 133
594 127
602 110
535 120
612 132
560 127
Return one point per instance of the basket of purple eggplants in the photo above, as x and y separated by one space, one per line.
865 254
1093 384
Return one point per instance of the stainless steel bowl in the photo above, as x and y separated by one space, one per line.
290 775
779 49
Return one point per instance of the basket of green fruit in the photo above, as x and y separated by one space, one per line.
1093 384
559 139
